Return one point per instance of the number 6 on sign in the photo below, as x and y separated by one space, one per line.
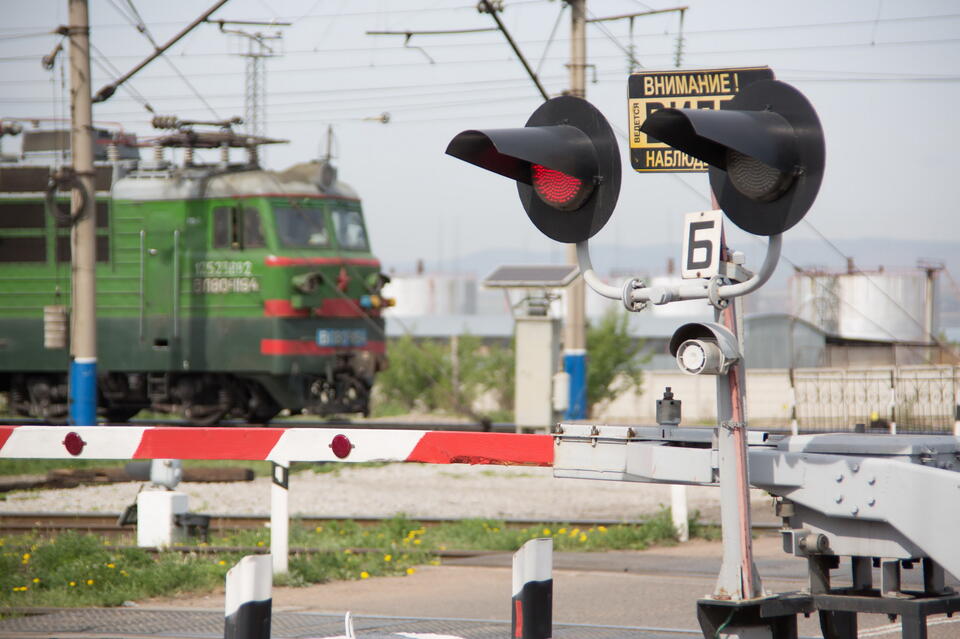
701 244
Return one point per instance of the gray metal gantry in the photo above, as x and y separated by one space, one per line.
883 500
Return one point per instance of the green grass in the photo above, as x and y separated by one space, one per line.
74 569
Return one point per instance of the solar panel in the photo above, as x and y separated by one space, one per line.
532 276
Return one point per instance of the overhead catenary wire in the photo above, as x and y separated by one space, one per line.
104 63
137 22
514 3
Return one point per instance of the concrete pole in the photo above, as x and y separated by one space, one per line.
575 328
83 338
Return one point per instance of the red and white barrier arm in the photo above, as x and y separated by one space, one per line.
282 444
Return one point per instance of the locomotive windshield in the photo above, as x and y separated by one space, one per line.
301 227
350 232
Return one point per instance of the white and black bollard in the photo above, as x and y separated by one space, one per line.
532 616
248 603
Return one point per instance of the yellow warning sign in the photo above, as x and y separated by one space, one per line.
703 89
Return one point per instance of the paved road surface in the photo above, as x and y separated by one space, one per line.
636 595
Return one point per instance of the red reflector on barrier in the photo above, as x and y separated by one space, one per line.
73 443
341 446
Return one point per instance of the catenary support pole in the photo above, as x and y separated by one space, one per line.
532 614
574 331
83 324
280 517
248 603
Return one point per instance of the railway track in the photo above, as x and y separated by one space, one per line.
106 523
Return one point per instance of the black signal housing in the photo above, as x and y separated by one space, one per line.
765 149
565 161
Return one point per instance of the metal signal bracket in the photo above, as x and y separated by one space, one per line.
635 296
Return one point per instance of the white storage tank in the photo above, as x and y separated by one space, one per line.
431 294
888 305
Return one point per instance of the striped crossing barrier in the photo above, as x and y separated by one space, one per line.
274 444
279 445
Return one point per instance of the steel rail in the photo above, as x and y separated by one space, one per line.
107 522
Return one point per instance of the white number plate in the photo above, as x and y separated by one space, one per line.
701 244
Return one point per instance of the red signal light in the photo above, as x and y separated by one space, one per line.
558 189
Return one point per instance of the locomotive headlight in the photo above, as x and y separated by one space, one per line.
697 356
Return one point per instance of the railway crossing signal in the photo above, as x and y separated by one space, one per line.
565 161
765 149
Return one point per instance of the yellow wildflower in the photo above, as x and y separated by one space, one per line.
546 532
261 543
574 532
36 580
319 529
602 529
416 542
222 562
562 531
583 537
364 575
72 584
410 571
111 565
388 557
89 582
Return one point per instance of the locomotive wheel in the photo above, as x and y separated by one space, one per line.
120 414
205 415
261 406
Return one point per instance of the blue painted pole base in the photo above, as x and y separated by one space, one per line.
83 391
575 365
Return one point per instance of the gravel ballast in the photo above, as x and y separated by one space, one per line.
416 490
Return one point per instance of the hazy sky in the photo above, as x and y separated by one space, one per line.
884 76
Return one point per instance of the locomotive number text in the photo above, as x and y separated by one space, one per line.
223 268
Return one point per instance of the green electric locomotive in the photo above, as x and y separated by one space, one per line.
224 291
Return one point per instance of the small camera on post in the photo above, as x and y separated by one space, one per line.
704 348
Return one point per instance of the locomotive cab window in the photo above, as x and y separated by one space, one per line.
351 235
301 226
237 228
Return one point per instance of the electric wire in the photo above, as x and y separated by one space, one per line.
514 3
553 33
138 24
111 71
631 58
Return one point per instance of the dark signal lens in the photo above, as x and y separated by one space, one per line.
560 190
